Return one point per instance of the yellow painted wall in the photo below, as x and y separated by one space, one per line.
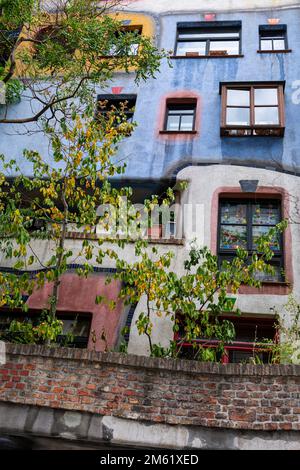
137 19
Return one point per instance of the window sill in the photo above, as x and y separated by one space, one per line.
178 132
280 51
276 132
153 240
267 288
228 56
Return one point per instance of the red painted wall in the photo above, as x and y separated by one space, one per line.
78 295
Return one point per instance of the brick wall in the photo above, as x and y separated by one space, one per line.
164 391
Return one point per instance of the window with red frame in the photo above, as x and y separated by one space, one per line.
253 334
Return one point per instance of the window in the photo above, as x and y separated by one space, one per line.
7 42
126 48
180 116
76 325
214 39
252 109
126 103
252 335
241 223
273 38
53 36
249 333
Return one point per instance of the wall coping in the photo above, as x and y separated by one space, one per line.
130 360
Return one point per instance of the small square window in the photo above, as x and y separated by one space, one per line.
180 117
106 103
126 48
273 38
252 109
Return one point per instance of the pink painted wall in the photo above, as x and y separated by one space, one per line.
78 295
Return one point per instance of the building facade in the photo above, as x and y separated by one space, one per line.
222 115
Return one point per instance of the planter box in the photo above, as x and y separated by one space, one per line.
192 54
218 53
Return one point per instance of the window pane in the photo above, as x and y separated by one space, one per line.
233 237
258 231
266 96
187 123
276 276
173 123
78 327
184 47
207 35
266 214
234 214
279 44
232 47
268 277
266 45
179 110
238 97
266 115
238 116
133 49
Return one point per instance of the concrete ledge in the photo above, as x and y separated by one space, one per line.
58 426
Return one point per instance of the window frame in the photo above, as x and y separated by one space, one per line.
252 127
128 29
215 26
237 345
269 32
187 102
278 258
113 100
20 315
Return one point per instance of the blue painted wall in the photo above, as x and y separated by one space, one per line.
150 155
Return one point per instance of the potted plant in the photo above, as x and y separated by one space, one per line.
192 54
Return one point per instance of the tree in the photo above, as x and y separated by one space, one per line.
195 300
59 196
59 51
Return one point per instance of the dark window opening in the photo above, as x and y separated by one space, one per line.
118 103
252 110
273 38
253 337
7 42
126 49
76 325
52 35
242 223
216 39
180 116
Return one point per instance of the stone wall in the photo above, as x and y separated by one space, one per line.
138 388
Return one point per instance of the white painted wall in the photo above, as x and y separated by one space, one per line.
203 182
163 6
